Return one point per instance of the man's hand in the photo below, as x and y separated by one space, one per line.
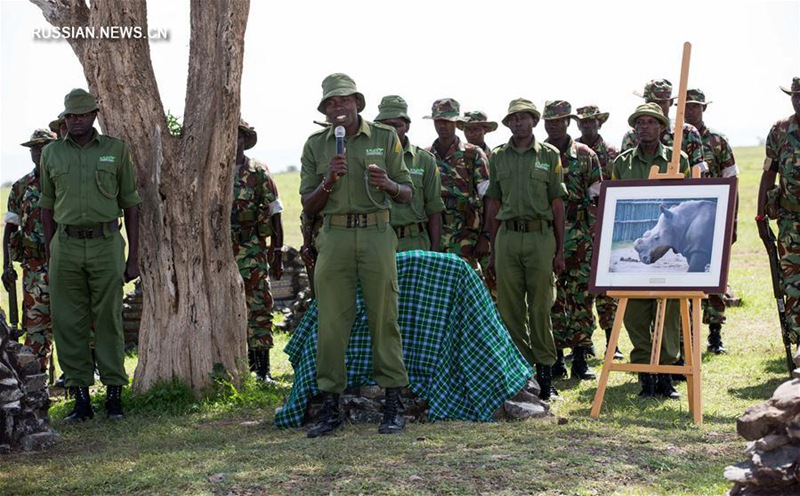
131 270
558 264
491 275
380 179
309 255
337 168
9 278
481 248
276 265
762 225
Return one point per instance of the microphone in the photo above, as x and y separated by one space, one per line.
339 133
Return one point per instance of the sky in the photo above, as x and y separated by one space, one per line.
482 54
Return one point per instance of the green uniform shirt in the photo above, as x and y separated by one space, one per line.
86 186
427 197
526 181
632 164
373 144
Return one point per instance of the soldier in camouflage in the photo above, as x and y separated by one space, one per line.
475 125
590 120
782 203
573 319
659 91
23 242
719 157
418 224
465 179
256 216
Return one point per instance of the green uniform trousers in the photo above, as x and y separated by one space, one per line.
639 320
420 241
526 290
348 256
86 278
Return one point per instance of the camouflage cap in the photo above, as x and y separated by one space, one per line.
79 101
657 90
557 109
477 118
393 107
521 105
55 125
339 84
447 109
591 112
696 95
652 109
250 135
795 89
40 137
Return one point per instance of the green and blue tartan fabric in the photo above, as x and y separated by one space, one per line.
457 351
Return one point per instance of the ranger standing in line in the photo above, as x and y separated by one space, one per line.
418 225
256 216
590 120
475 125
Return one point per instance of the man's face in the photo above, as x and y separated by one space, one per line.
796 103
694 113
521 125
475 134
399 124
36 154
556 128
648 128
80 124
342 110
445 129
589 129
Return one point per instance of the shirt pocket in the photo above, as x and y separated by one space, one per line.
106 179
59 176
537 185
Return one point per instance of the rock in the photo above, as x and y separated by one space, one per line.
34 383
524 396
738 473
533 387
5 449
38 441
771 442
371 392
9 395
364 417
521 411
758 421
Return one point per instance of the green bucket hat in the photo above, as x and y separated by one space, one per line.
795 89
652 109
393 107
250 135
339 84
55 125
696 95
40 137
79 101
521 105
657 90
446 109
477 118
591 112
557 109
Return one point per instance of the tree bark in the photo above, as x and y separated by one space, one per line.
194 314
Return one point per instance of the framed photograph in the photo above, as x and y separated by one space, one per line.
670 235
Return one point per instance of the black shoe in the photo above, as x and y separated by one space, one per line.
715 345
544 376
262 365
114 403
330 419
590 351
617 354
679 377
648 382
580 369
393 421
559 369
83 405
61 383
664 387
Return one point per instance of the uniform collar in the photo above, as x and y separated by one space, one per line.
661 151
363 127
95 137
535 145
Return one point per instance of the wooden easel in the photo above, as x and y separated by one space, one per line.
691 340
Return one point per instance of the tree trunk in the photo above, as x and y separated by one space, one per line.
194 314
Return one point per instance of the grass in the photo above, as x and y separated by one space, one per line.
171 443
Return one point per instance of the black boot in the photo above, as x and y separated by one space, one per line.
679 377
251 360
664 387
330 419
393 421
715 345
648 382
559 369
262 365
114 403
83 405
580 369
544 376
61 382
617 354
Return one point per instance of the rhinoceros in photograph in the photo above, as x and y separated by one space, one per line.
687 228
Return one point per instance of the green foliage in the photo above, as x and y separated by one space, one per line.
174 125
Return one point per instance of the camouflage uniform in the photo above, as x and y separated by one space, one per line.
255 201
783 155
573 319
465 177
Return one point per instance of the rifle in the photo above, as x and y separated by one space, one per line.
777 290
13 307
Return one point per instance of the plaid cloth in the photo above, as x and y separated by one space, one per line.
458 353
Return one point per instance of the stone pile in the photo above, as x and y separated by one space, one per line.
773 454
292 294
24 399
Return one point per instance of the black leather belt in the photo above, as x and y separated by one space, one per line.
96 231
409 230
524 225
